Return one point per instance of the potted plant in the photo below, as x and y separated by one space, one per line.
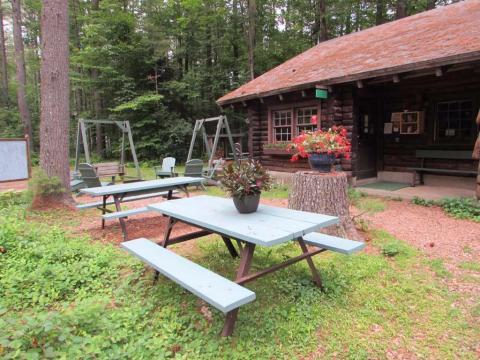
244 181
321 147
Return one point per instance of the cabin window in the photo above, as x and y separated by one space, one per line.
304 119
454 120
286 124
282 125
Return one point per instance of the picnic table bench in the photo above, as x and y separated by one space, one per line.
133 191
269 226
440 154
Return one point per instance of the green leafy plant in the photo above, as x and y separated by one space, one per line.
43 185
390 249
245 178
422 202
462 208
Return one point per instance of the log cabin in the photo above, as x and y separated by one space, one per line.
408 92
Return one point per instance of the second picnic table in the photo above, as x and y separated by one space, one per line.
269 226
135 191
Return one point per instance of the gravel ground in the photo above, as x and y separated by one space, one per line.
455 241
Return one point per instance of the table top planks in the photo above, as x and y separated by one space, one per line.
158 185
267 226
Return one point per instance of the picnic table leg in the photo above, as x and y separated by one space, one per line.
230 247
103 209
316 276
116 200
166 237
243 269
168 231
170 195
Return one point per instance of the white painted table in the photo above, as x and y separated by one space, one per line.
268 226
128 190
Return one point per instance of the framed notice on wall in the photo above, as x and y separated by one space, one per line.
14 160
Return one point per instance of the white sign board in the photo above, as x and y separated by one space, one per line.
13 160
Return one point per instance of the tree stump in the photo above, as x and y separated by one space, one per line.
324 194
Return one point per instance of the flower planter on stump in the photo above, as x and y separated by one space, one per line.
321 162
324 194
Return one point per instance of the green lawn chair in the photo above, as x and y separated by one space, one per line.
89 176
194 168
167 169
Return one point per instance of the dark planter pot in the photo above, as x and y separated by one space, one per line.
246 204
321 162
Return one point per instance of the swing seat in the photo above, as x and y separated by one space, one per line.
109 169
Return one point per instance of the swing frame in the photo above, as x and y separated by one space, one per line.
222 123
82 138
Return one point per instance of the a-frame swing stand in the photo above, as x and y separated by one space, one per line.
222 124
82 138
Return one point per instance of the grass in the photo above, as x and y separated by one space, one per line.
366 203
470 265
67 297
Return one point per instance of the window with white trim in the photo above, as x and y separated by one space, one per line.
288 123
282 125
304 119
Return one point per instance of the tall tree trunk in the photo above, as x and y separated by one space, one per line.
321 22
431 4
401 9
252 15
97 100
380 12
3 60
20 71
54 88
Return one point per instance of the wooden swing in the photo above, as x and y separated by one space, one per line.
111 168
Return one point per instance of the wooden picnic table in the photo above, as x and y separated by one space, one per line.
135 191
269 226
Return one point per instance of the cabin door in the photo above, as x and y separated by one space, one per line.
367 142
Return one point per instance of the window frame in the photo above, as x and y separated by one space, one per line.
436 123
293 127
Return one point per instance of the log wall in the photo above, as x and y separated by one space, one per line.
336 110
397 152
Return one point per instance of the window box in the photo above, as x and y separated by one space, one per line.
276 151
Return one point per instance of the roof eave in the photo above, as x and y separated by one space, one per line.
423 65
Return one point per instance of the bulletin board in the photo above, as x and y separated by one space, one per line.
14 160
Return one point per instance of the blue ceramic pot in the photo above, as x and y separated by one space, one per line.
321 162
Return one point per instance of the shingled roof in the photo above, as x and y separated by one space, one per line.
446 35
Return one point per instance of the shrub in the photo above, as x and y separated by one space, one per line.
390 249
422 202
43 185
462 208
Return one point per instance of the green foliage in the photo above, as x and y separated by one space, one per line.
42 185
354 195
365 203
139 103
12 198
423 202
245 178
439 268
462 208
98 302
